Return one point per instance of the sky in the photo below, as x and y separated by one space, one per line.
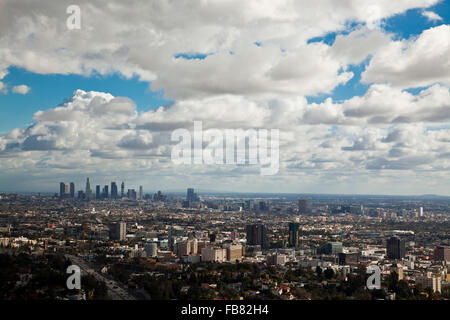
359 92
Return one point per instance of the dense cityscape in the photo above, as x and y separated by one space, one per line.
132 245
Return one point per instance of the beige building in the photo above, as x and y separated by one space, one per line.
214 254
187 247
234 252
429 280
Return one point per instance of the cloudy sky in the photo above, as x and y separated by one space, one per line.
359 92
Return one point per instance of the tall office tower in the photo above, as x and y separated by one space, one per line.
294 234
263 206
122 189
114 191
88 190
395 248
72 190
63 190
421 212
118 231
442 253
98 195
303 206
141 193
131 194
105 192
256 235
191 195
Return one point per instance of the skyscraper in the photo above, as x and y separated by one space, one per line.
395 248
303 206
63 190
442 253
122 189
191 195
88 190
118 231
294 234
141 193
97 192
105 192
72 190
256 235
114 191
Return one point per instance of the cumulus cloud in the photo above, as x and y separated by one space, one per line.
144 42
417 62
97 132
431 16
21 89
234 64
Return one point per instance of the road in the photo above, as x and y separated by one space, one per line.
114 290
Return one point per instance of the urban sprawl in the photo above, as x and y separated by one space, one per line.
134 245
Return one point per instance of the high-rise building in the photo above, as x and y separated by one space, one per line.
294 234
442 253
191 195
256 235
98 194
331 248
141 193
234 252
72 190
105 194
88 190
214 254
396 248
63 190
429 280
263 206
118 231
114 191
187 247
122 190
421 212
303 206
348 258
131 194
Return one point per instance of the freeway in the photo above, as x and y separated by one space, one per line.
114 290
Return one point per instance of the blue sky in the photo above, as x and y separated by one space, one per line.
47 91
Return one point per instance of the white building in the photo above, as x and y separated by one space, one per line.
429 280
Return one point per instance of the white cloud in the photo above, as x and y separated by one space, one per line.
412 63
363 143
431 16
3 88
102 135
21 89
117 37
